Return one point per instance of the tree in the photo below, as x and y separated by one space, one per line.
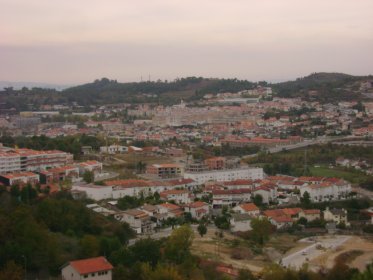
202 229
245 275
11 271
366 275
160 273
306 199
178 244
258 200
88 176
89 246
261 230
146 250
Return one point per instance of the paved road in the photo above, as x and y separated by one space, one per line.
305 143
297 259
363 192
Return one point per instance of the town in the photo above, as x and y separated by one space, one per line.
239 168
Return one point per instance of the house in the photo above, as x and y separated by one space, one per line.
240 222
329 189
179 196
91 166
169 210
113 149
281 221
279 218
95 192
198 209
337 216
164 170
94 268
204 176
215 163
230 198
19 178
138 220
247 208
310 214
268 193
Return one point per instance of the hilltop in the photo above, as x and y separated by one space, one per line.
325 87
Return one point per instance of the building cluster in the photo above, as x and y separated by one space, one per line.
19 166
203 199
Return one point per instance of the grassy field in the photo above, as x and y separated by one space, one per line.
351 176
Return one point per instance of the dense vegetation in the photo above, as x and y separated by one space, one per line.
47 232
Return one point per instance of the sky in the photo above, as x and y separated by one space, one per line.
72 42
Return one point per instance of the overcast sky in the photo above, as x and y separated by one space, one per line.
69 41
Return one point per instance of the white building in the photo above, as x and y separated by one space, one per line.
230 198
198 209
95 192
138 220
113 149
327 191
92 269
15 160
247 208
240 222
336 215
179 196
252 173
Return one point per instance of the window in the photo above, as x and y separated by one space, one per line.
86 276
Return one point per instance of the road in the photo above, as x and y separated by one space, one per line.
305 143
297 259
363 192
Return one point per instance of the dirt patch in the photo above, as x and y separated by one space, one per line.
357 251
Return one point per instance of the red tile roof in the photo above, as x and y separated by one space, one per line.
91 265
249 207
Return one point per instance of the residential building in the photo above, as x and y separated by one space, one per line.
198 209
215 163
327 190
97 268
252 173
20 178
230 198
179 196
15 160
247 208
169 170
138 220
310 214
94 192
337 216
90 165
113 149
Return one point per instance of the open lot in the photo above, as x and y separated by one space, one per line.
318 252
354 243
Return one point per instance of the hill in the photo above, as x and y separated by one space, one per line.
324 87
